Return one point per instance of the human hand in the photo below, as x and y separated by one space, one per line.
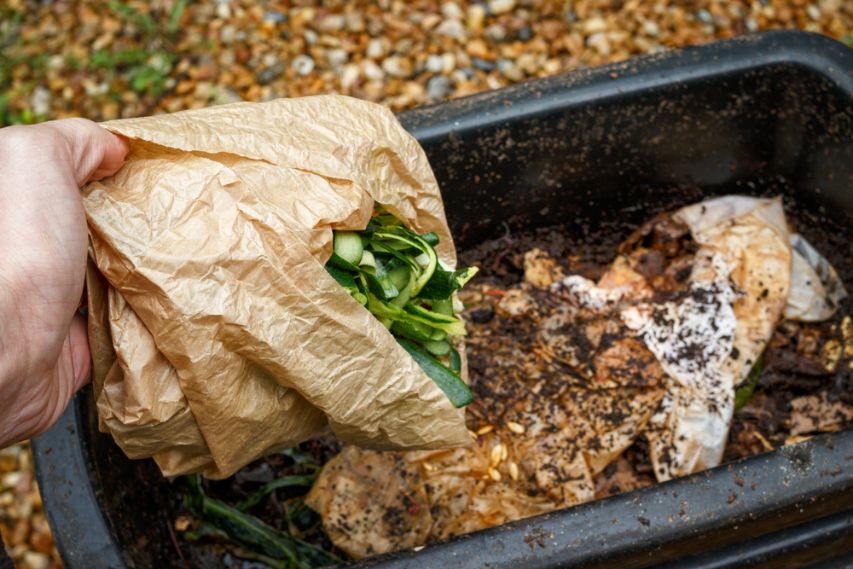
44 351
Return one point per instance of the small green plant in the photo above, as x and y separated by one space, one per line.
146 68
11 57
285 548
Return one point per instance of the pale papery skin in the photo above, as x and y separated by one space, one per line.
44 351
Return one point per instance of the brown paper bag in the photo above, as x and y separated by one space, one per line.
217 335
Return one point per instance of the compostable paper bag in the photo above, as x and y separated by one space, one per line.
217 335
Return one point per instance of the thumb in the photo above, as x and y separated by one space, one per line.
94 151
115 151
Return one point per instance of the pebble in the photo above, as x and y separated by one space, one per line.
40 101
397 66
228 34
434 63
813 12
476 17
478 48
223 11
310 36
452 10
376 48
501 6
303 64
452 29
274 17
482 315
483 64
372 71
430 21
36 560
438 88
94 89
448 62
594 25
705 16
331 23
599 42
270 59
337 57
495 32
651 28
509 70
349 76
355 22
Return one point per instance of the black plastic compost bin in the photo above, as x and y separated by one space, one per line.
578 149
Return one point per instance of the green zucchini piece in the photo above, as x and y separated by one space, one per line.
431 239
382 288
438 335
443 306
413 330
405 294
367 260
384 220
449 382
340 263
455 360
444 283
344 278
408 260
437 348
404 235
400 277
392 313
348 246
449 324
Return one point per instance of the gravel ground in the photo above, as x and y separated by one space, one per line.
106 60
115 59
22 520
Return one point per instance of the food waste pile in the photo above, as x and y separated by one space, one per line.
592 359
570 372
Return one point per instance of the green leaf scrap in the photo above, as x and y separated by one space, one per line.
275 547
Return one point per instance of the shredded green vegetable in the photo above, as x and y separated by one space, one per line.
745 392
395 273
276 548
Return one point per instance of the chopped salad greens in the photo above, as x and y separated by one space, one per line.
396 274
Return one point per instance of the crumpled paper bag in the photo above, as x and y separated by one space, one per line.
751 271
217 335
